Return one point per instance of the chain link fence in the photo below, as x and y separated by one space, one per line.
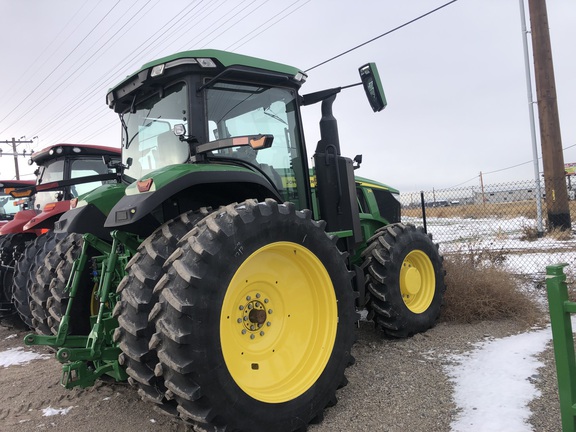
500 223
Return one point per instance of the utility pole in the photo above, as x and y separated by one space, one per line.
551 140
536 165
15 153
482 188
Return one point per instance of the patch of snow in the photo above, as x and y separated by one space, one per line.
12 336
17 356
47 412
494 383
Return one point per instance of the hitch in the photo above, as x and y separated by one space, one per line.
86 358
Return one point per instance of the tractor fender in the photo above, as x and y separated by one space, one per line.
83 220
49 214
16 225
197 187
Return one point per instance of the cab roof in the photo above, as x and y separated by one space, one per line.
78 150
222 60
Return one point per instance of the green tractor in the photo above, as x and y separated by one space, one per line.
235 276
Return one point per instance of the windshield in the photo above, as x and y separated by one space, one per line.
239 110
8 208
147 138
54 171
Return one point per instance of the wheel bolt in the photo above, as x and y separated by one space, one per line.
245 318
239 320
250 306
251 327
252 336
258 295
248 298
269 311
243 331
268 323
261 333
265 300
241 307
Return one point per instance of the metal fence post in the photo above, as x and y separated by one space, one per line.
563 340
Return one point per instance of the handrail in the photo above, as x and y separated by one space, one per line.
561 309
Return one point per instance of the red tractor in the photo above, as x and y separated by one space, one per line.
65 171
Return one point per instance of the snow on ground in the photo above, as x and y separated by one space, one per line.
47 412
18 356
492 383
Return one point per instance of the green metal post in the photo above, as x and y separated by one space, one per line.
563 339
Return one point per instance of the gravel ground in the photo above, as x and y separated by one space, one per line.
395 385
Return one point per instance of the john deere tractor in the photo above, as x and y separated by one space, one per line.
235 275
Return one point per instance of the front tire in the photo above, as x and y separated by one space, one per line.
255 320
405 280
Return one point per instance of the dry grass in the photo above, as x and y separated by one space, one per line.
506 210
484 292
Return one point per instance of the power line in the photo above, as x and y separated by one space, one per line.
55 69
382 35
504 169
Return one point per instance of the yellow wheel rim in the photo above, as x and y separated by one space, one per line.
417 281
278 322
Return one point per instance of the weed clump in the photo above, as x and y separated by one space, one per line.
478 292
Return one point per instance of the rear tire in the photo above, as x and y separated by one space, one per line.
12 246
57 301
25 271
255 320
39 284
404 279
136 301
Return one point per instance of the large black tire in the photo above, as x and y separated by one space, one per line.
255 320
57 301
11 247
53 253
24 271
136 301
404 279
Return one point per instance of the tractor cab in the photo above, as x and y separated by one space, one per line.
58 173
9 205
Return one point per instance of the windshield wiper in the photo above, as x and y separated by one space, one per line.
274 116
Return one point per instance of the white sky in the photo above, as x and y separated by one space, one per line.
455 80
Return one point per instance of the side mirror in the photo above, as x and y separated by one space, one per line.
373 86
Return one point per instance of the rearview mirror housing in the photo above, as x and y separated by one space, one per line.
373 86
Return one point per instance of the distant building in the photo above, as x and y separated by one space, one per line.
502 196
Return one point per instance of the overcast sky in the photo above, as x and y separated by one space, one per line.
455 80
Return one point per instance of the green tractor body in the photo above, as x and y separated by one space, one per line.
231 286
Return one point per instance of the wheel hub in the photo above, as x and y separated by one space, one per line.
254 315
413 279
